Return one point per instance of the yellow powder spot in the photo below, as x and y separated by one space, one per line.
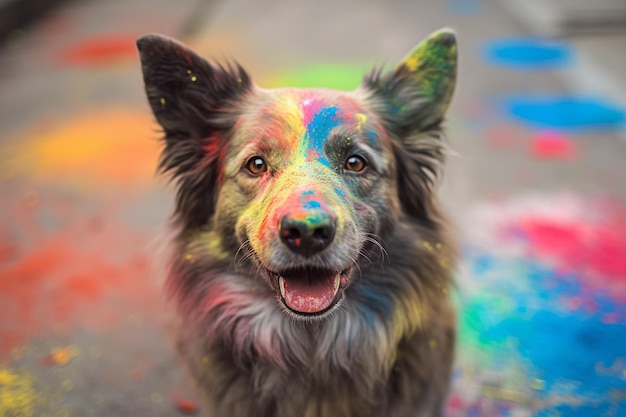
162 102
428 246
188 257
205 360
433 344
110 146
17 394
189 72
412 61
194 78
438 246
361 118
63 355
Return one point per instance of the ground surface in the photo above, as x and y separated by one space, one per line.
540 205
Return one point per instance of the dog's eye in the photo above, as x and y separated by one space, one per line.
256 165
355 163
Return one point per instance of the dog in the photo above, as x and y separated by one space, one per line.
312 262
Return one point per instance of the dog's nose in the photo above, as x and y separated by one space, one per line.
309 234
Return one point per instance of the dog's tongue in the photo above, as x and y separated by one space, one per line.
308 291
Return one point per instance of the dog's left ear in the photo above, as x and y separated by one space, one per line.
411 102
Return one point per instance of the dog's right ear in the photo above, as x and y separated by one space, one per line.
196 104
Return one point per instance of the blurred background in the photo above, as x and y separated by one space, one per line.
537 188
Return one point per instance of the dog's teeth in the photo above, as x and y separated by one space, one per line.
281 284
337 282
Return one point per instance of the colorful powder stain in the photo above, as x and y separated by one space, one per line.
18 397
99 51
528 53
566 113
344 77
114 146
92 272
544 299
550 144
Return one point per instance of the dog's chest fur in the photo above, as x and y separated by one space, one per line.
366 360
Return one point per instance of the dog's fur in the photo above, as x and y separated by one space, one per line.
384 346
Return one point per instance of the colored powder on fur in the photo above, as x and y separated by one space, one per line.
550 144
107 146
99 51
18 397
565 112
528 54
318 130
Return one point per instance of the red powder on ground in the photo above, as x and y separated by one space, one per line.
597 246
74 277
553 145
186 406
99 51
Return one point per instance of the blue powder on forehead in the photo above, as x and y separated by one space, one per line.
319 128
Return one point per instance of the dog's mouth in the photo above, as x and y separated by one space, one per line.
310 290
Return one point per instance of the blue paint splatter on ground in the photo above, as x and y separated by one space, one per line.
566 113
528 54
527 316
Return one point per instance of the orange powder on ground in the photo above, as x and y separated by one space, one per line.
99 50
114 146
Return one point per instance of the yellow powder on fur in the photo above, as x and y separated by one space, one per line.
17 394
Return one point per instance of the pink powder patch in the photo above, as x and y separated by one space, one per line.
551 144
597 247
310 107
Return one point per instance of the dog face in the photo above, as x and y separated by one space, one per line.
304 182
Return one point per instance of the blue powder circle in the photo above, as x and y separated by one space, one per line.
566 113
528 54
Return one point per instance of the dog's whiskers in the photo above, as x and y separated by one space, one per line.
239 262
375 240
